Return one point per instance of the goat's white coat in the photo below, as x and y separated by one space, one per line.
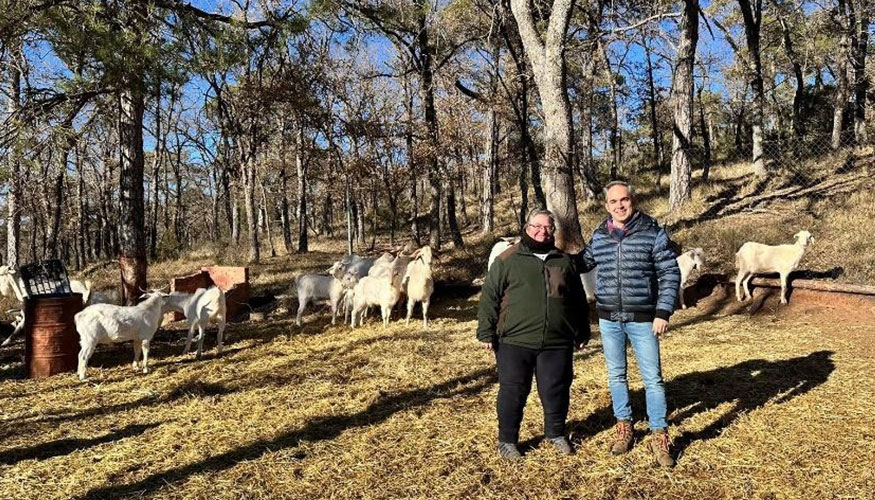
754 258
318 288
693 258
204 306
418 282
107 323
383 290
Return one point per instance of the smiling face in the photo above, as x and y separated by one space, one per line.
540 228
620 203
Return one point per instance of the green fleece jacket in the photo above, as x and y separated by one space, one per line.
532 303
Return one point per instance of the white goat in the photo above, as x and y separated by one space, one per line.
418 282
754 258
107 323
588 279
357 265
319 288
499 248
83 287
204 306
10 287
687 261
383 291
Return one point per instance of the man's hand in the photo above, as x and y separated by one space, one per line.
486 345
660 326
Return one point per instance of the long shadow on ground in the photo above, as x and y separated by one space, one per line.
319 429
43 451
747 385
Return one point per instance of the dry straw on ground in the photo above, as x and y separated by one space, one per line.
762 407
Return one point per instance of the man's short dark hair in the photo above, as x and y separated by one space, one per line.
619 183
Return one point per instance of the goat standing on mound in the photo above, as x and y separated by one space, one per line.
754 258
108 324
200 308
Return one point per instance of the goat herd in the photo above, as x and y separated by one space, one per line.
351 286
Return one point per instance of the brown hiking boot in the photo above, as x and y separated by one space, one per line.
624 440
660 446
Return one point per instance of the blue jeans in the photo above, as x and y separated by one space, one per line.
646 348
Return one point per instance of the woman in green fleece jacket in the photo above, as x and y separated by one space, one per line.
533 313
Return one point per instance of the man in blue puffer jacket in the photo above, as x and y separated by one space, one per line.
637 281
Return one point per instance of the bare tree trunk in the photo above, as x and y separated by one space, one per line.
235 212
302 190
267 220
350 228
451 215
589 178
655 136
487 197
752 15
434 173
706 137
682 102
411 164
81 225
614 139
13 197
799 93
156 175
842 93
859 12
249 183
178 207
284 207
215 229
132 230
548 65
57 207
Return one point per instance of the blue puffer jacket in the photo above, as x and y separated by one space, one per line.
637 275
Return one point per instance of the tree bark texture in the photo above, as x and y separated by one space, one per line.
682 107
548 65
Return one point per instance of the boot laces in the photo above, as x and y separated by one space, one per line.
662 442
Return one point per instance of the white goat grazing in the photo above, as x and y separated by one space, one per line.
754 258
107 323
693 258
319 288
383 291
204 306
418 282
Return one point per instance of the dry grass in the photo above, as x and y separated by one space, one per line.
761 408
766 407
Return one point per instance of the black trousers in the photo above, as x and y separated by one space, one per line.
553 371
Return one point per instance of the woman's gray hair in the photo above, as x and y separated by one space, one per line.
619 183
540 211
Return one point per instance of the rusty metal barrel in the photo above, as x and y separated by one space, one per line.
51 343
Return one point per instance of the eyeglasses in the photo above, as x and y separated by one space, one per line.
536 227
